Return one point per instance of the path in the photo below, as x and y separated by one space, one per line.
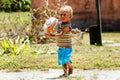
53 73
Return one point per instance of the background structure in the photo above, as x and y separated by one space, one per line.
85 12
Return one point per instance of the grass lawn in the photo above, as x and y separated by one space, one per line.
8 20
85 56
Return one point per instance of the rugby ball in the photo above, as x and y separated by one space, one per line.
50 24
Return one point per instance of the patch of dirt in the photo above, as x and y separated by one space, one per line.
53 74
111 43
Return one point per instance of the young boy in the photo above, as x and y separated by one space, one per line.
64 41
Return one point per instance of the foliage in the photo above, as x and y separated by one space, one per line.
12 47
15 5
39 17
13 25
84 56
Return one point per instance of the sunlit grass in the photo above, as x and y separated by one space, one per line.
25 16
85 56
12 19
111 36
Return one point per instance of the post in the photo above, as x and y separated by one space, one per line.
95 31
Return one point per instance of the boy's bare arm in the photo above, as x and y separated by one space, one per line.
65 30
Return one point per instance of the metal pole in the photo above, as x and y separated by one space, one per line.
99 39
95 31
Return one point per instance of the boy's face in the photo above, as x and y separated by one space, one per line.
65 16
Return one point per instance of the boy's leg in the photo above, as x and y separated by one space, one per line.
65 68
65 71
70 67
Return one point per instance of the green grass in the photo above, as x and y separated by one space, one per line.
25 16
9 20
85 56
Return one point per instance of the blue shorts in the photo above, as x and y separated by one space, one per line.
64 55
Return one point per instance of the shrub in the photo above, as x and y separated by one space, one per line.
15 5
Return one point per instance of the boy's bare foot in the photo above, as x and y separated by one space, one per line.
63 75
70 70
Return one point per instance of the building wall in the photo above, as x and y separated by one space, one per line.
85 12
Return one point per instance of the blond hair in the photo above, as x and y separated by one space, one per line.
67 8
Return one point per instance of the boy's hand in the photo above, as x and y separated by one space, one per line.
47 35
51 34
